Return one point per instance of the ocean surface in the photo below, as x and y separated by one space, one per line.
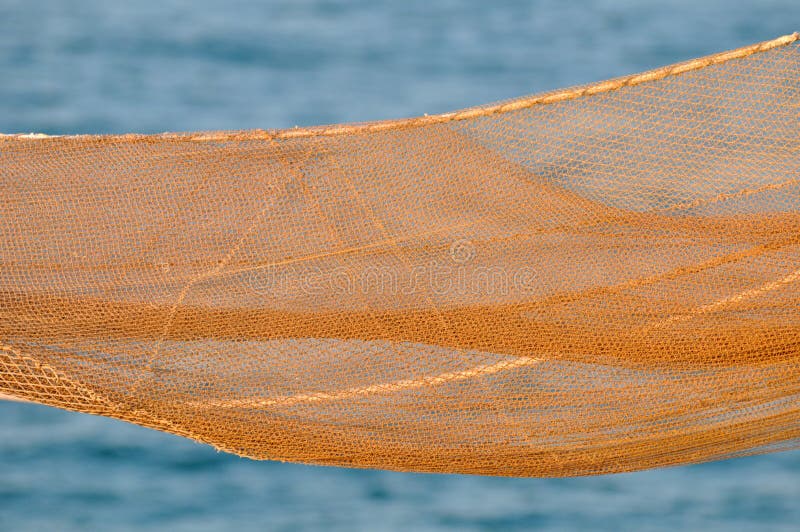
176 65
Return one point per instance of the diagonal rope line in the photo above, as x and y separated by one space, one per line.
375 389
722 303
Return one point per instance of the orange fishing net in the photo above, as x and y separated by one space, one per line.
594 280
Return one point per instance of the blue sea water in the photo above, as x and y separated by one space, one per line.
174 65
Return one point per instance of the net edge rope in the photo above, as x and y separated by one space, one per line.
463 114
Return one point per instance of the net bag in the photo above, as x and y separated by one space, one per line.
599 279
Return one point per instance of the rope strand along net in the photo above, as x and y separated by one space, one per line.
595 280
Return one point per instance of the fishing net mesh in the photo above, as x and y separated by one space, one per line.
594 280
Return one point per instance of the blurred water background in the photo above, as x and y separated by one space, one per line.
176 65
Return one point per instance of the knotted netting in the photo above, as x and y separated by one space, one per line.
599 279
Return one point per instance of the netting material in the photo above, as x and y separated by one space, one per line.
596 280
